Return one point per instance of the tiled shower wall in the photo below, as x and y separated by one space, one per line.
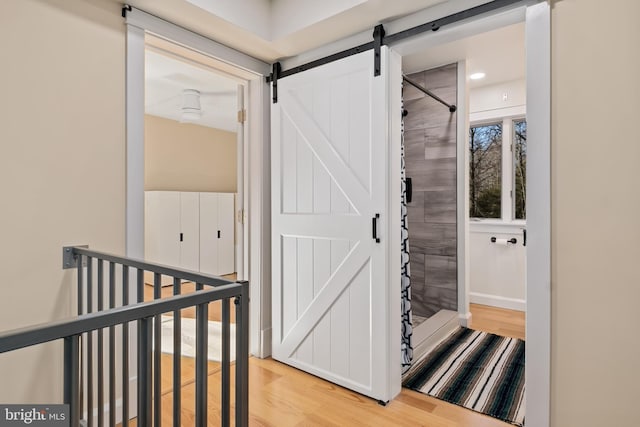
430 157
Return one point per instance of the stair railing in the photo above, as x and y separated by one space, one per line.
138 324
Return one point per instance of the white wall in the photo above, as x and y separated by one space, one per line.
62 167
488 99
498 273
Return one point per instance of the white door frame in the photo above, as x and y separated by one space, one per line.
538 319
255 179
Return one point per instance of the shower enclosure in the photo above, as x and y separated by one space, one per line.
430 158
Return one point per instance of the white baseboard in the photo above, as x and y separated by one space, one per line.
265 343
465 319
498 301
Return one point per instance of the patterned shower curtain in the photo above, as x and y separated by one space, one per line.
407 329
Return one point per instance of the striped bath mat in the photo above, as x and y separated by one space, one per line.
477 370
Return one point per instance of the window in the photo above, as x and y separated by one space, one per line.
485 171
520 168
498 170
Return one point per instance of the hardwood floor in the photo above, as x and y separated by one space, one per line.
282 396
186 288
499 321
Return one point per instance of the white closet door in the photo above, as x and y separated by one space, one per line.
226 240
190 229
209 233
162 227
329 139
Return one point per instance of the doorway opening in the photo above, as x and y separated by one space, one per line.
537 90
479 198
251 225
193 156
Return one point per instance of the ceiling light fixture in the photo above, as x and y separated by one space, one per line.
477 76
191 111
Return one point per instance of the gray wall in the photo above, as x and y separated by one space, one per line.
430 157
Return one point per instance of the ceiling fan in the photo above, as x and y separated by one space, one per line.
191 110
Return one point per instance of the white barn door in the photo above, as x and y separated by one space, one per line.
329 181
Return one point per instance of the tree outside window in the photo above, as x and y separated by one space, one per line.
485 171
520 168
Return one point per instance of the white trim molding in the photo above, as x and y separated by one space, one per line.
538 323
462 193
491 227
259 218
480 117
394 105
498 301
135 142
194 41
465 319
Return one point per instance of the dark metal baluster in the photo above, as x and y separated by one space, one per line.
144 371
89 344
100 412
157 353
145 405
242 356
177 358
112 347
125 350
226 363
72 378
80 284
202 335
140 284
80 311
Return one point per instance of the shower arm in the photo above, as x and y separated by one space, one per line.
452 108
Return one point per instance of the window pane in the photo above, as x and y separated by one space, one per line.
485 171
520 168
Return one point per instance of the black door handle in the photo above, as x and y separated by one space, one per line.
524 237
218 234
181 237
374 226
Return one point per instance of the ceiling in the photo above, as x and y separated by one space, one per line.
262 28
274 29
165 79
499 54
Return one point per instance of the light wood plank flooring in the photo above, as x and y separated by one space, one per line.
499 321
284 396
215 307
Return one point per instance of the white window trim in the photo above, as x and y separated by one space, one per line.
506 117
